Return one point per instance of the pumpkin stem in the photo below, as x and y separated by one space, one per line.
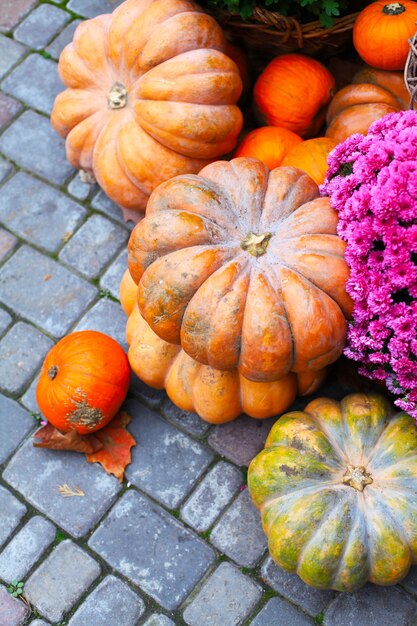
357 477
394 8
52 372
117 97
256 244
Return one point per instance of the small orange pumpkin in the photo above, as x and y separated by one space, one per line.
217 396
372 94
381 32
311 157
83 382
269 144
293 91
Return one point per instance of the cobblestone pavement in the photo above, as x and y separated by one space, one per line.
180 542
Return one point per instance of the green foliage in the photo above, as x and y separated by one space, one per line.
319 619
105 293
302 10
15 588
36 416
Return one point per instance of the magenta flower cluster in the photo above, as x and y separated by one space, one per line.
372 183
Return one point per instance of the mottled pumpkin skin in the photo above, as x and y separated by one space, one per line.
217 396
83 382
244 269
150 95
372 94
328 532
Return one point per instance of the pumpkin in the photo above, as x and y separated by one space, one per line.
311 157
293 91
372 94
269 144
243 268
381 32
217 396
83 382
150 95
336 485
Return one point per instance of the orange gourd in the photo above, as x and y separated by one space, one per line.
150 95
381 32
311 157
243 268
293 91
269 144
217 396
83 382
372 94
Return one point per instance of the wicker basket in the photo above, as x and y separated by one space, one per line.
266 34
410 72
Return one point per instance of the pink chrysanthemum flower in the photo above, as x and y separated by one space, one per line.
372 183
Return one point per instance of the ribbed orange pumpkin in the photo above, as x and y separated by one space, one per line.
381 32
293 91
372 94
83 382
217 396
243 267
269 144
150 95
311 157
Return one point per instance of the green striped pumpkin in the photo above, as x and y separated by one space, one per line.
337 488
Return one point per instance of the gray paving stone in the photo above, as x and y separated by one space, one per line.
151 397
111 603
13 612
8 109
91 8
74 569
5 320
113 275
35 81
158 619
11 512
39 622
22 552
152 549
22 351
12 12
410 582
78 188
226 598
10 53
313 601
15 424
190 422
107 317
29 398
280 613
65 37
241 440
38 28
167 463
102 203
37 473
94 245
49 295
239 532
34 145
211 496
7 243
382 606
5 168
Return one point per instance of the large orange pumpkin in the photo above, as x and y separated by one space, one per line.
381 32
244 268
372 94
293 91
83 382
311 157
217 396
269 144
150 95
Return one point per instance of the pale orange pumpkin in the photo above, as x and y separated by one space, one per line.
269 144
150 95
381 32
293 91
217 396
311 157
